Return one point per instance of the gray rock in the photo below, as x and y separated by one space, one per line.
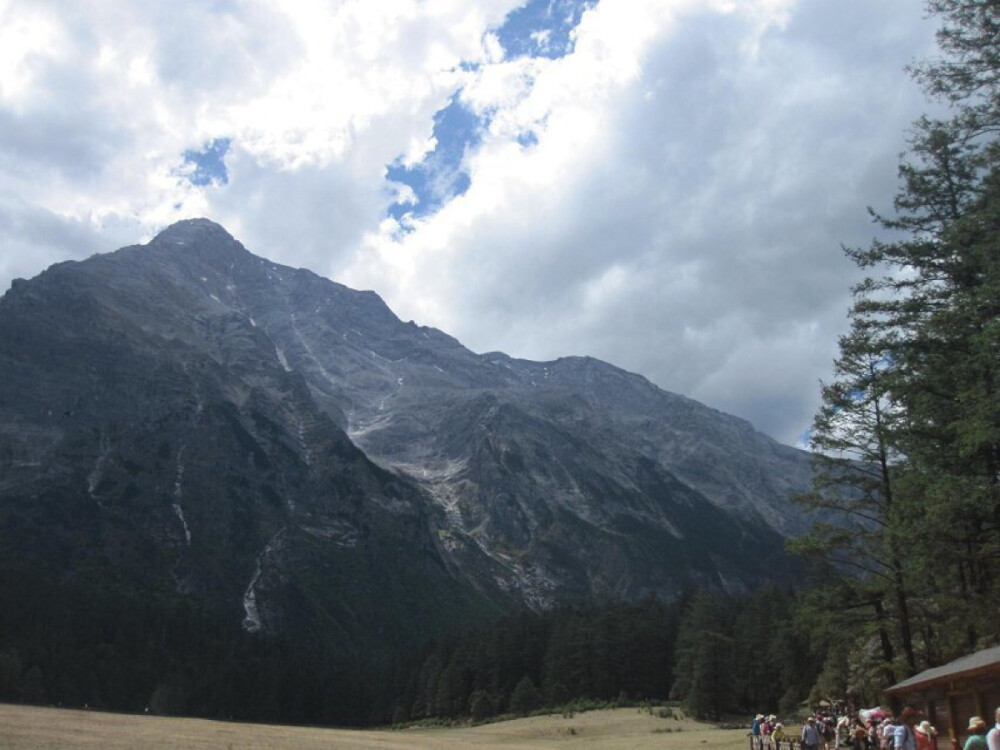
189 417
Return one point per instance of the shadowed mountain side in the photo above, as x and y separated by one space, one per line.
183 416
151 439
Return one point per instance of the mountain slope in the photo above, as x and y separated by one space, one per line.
190 417
151 439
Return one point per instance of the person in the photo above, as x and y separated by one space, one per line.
843 730
887 733
905 736
778 735
810 734
926 736
993 736
755 729
977 734
859 736
829 730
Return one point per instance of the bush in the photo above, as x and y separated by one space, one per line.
525 697
400 715
481 705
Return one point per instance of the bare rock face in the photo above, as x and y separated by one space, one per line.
187 417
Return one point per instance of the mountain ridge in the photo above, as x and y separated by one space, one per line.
192 391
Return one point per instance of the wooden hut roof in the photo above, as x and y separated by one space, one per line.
987 660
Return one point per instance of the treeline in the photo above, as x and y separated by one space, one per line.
61 644
713 653
530 660
908 437
760 653
67 644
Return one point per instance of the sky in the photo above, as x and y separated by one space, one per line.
666 185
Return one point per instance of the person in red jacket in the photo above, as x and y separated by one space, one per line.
926 736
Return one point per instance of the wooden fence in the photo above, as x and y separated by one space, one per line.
792 743
769 743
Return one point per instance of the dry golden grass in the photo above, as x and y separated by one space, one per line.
29 728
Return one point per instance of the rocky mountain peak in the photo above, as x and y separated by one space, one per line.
202 240
267 428
193 230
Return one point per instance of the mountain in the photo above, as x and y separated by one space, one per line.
190 421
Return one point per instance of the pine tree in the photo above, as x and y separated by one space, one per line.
968 75
703 659
481 705
936 305
854 437
953 407
915 404
525 697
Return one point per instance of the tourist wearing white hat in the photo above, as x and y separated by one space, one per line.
925 734
810 734
977 734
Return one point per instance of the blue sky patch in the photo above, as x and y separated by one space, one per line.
208 166
439 177
542 28
527 138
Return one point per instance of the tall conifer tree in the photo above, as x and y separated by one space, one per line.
915 403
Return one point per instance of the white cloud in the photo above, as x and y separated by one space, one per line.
99 102
683 210
697 165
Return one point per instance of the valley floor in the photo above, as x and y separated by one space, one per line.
31 728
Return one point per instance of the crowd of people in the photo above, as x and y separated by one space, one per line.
768 730
869 730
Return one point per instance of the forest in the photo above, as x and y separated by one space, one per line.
905 567
112 652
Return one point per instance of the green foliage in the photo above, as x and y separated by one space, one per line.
833 679
908 437
728 654
73 644
525 697
703 658
481 705
570 655
743 655
968 74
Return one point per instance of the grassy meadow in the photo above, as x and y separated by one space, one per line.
32 728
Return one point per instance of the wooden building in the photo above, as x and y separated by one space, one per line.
953 693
